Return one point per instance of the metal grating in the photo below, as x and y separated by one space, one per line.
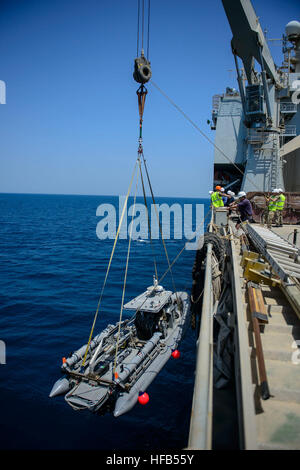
281 254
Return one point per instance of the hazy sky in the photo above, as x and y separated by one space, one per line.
70 124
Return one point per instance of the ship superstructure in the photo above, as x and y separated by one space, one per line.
257 143
246 276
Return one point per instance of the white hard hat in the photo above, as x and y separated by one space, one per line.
241 194
232 193
275 190
280 190
210 192
222 189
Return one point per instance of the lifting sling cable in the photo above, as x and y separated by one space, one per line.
203 133
142 74
142 92
183 248
148 218
173 262
125 276
142 77
109 264
159 224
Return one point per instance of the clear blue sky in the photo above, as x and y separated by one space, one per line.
70 125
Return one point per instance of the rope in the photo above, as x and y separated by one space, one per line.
125 276
202 133
195 301
108 268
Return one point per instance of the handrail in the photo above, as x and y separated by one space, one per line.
288 107
246 410
200 435
289 129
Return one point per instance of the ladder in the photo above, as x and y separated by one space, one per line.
282 255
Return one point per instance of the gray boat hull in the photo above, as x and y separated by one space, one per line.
123 372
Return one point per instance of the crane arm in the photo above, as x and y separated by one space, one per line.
248 41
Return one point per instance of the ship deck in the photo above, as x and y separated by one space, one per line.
277 419
272 423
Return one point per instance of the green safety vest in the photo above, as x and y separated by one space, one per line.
272 207
216 199
280 202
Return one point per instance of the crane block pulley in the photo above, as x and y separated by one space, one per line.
142 69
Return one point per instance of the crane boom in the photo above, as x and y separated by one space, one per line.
248 41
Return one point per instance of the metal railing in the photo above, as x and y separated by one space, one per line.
288 108
254 136
200 436
245 399
216 102
289 130
200 433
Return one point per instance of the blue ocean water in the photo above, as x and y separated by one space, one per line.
52 269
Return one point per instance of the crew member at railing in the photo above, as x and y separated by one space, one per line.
217 197
224 198
230 201
280 207
244 207
272 207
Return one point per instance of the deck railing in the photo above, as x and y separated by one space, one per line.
200 436
288 108
289 130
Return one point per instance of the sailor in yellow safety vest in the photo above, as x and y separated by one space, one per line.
272 207
216 197
280 207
